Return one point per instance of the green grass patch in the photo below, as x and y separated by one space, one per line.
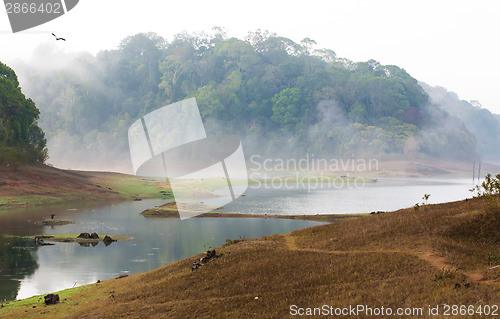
132 186
37 300
32 200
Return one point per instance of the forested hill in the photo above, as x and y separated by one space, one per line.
277 95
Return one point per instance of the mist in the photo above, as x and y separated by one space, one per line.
282 99
484 125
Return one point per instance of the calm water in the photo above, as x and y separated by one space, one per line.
26 270
385 194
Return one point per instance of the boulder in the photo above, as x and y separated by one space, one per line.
51 299
108 240
94 236
84 235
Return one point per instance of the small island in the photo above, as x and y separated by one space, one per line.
55 222
79 238
169 210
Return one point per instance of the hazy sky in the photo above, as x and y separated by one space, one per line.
453 44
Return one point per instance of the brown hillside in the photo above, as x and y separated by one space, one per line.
41 184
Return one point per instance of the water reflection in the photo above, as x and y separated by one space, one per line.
17 261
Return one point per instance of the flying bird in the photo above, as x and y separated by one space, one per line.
58 38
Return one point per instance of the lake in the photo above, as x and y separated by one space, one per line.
27 270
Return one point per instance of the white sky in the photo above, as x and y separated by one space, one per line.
454 44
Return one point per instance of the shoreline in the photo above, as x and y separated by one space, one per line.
402 249
38 185
327 218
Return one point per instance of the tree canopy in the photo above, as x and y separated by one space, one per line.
21 139
270 91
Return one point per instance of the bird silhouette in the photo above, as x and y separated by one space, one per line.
58 38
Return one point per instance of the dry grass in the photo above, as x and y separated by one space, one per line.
405 258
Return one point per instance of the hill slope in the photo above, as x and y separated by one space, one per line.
42 184
440 254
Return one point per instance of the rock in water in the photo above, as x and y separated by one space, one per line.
108 240
51 299
94 236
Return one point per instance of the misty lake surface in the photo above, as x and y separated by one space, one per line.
27 270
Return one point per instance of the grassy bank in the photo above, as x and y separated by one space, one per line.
40 185
439 254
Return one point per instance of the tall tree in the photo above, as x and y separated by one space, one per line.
21 139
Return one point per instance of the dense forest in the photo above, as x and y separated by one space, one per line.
280 97
21 139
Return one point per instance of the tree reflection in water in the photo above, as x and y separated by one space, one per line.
18 260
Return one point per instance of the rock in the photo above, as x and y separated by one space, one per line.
84 235
211 254
121 276
195 265
51 299
108 240
203 260
94 236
